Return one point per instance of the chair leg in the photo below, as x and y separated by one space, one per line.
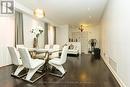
61 69
31 72
17 71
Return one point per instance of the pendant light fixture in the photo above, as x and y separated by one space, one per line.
83 27
39 13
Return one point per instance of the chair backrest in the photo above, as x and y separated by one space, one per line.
15 57
64 55
47 46
20 46
55 48
26 58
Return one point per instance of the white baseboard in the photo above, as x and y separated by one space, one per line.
5 65
121 83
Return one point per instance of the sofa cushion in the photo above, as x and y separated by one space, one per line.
71 46
73 51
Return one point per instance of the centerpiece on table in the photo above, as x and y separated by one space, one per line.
36 31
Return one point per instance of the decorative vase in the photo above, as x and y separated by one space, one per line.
72 40
35 42
76 40
69 40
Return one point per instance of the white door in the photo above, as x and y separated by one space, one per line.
84 42
83 38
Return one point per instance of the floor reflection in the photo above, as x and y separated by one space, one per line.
82 71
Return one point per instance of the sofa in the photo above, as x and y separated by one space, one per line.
74 48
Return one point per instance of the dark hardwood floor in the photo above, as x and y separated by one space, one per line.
82 71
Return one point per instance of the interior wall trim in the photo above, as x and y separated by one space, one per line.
121 83
6 65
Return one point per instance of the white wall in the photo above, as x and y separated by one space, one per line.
62 34
28 22
6 39
116 39
93 32
7 35
50 35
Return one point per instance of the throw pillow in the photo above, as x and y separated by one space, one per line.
71 46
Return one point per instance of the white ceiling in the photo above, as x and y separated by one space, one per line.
69 11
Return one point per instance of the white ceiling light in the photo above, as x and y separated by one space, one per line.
90 16
88 9
39 13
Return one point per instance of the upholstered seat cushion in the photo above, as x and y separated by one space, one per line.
36 62
55 61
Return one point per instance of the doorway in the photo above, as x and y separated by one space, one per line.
82 37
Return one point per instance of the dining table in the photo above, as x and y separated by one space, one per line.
35 51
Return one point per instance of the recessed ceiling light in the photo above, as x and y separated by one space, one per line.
90 16
88 9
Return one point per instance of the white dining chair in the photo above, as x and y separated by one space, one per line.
55 54
15 57
58 62
32 64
